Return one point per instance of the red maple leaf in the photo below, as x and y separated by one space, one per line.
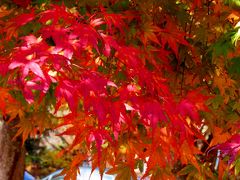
56 13
186 108
13 24
192 104
109 43
114 21
4 63
61 39
67 90
23 3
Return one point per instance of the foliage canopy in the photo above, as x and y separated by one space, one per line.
141 79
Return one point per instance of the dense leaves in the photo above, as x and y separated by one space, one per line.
144 82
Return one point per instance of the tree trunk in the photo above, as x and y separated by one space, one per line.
12 154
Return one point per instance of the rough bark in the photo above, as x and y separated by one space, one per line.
12 154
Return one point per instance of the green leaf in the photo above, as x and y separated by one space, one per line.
187 170
234 66
224 44
216 101
236 106
237 166
140 165
232 2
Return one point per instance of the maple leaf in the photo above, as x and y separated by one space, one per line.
113 20
4 11
173 37
14 23
96 22
10 107
234 66
35 84
34 67
187 154
186 108
148 33
4 63
25 128
61 39
5 98
71 173
130 56
59 62
57 12
107 159
101 107
40 82
109 43
30 59
123 171
67 89
188 171
150 111
222 81
99 136
154 161
118 116
229 148
197 4
85 36
219 136
30 85
92 84
191 104
76 126
23 3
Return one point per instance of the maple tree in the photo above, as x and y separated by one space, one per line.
140 78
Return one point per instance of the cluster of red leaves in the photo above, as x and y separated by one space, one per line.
23 3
